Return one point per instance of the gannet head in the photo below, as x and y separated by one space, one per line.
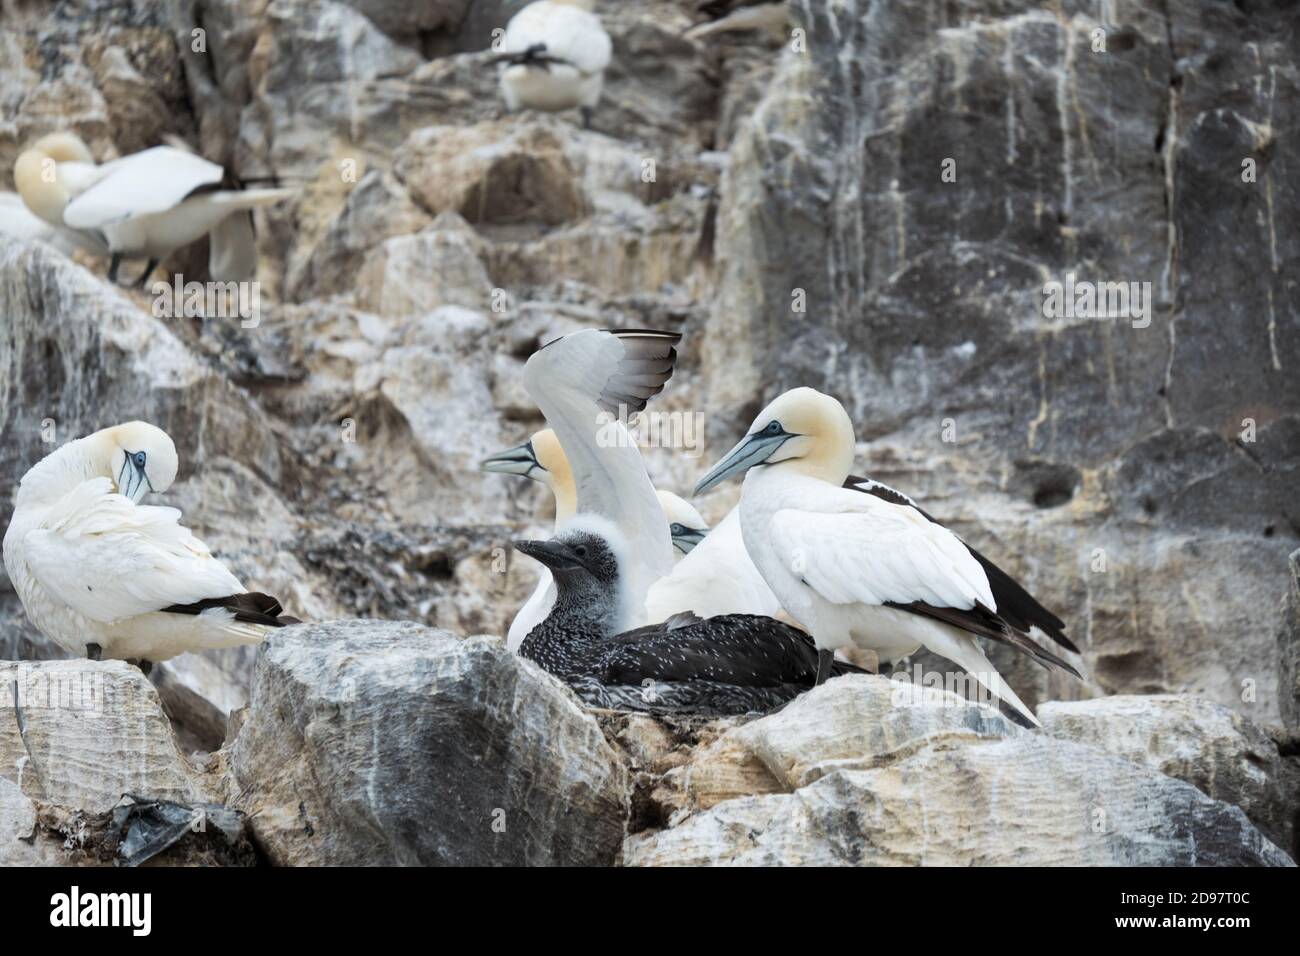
809 430
586 558
36 176
139 457
685 524
542 459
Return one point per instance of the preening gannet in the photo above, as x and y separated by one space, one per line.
102 575
585 383
858 568
686 526
734 664
555 53
143 205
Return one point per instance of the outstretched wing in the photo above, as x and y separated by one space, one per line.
110 559
147 182
579 381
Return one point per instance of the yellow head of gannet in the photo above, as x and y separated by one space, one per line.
685 524
802 430
542 459
138 457
37 176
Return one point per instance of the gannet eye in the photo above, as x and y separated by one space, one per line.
675 528
773 427
580 550
138 458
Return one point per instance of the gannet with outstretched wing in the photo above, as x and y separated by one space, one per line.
542 459
853 567
143 205
100 574
584 383
555 52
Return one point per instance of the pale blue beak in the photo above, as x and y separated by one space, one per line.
685 539
750 451
520 460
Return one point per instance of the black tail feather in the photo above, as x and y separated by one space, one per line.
252 607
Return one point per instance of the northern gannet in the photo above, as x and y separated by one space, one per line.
542 459
19 222
855 567
555 53
100 574
143 205
585 383
734 664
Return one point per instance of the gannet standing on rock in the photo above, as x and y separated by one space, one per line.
584 382
555 52
145 205
734 664
100 574
853 567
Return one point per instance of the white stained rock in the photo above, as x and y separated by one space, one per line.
1222 754
376 742
84 733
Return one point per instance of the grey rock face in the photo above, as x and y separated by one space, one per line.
1222 754
369 742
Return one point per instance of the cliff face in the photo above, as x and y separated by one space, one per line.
873 202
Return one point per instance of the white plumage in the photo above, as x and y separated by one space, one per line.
94 567
837 559
556 53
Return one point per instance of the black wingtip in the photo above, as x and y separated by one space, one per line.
252 607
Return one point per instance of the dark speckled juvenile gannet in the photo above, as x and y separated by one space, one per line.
733 664
857 567
101 575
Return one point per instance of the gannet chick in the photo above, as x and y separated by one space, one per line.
585 383
555 53
855 568
735 664
100 574
144 205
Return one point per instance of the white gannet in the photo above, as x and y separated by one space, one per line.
772 18
855 567
585 383
143 205
542 459
100 574
732 664
555 53
19 222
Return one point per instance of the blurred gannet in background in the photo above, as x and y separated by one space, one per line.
556 52
855 567
542 459
19 222
736 17
584 382
100 574
145 205
734 664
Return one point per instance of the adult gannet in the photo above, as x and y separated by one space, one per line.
555 52
586 383
734 664
19 222
143 205
855 567
102 575
542 459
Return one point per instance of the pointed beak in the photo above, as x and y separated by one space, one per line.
749 451
553 554
520 460
132 482
688 538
